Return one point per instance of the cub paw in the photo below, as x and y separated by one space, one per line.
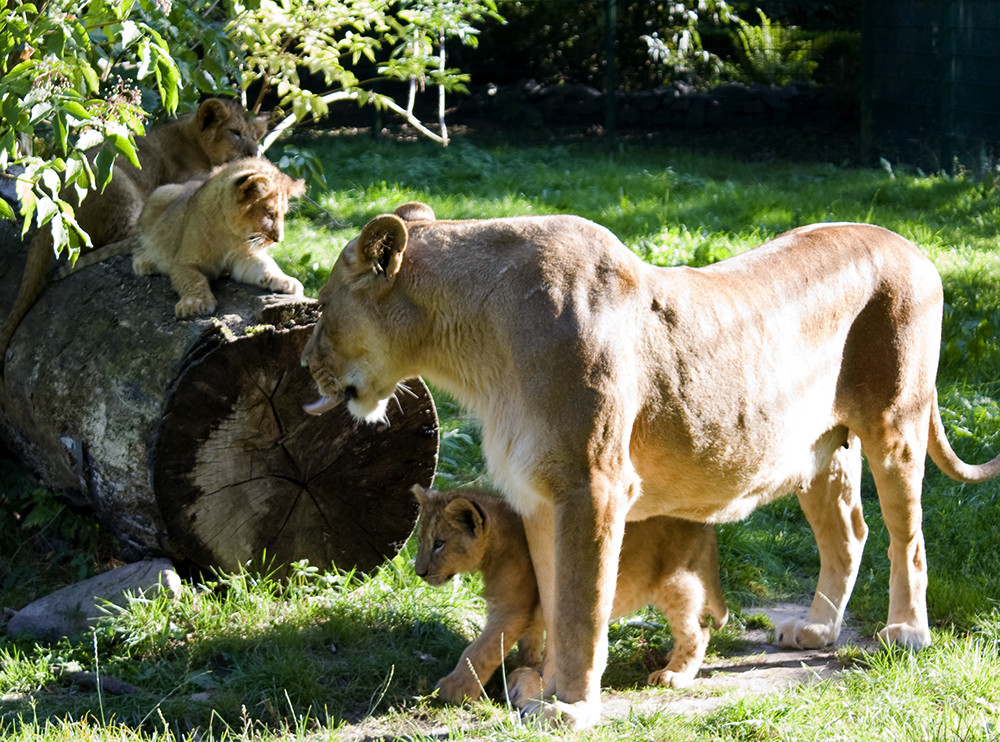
285 285
911 637
798 634
459 687
671 679
142 266
194 306
524 685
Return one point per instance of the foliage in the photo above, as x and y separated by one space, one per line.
331 39
71 80
772 54
679 53
75 77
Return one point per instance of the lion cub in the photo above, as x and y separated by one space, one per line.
669 563
185 148
196 231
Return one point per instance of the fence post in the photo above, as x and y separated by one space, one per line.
948 72
610 71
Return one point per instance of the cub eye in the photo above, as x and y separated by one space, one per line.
438 545
236 133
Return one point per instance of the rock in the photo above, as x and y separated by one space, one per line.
74 609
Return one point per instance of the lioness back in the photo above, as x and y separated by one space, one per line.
188 147
666 562
196 231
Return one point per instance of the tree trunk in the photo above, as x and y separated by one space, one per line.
188 438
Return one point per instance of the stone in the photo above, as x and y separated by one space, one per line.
74 609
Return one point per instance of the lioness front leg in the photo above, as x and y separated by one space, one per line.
260 269
832 505
582 541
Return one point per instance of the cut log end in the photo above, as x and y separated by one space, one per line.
244 473
189 438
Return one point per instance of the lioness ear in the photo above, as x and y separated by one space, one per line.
380 247
467 514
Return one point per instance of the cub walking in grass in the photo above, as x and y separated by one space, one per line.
196 231
669 563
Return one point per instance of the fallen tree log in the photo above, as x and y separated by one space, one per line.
188 438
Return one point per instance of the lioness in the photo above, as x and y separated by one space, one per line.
185 148
610 389
670 563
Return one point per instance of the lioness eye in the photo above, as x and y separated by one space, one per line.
438 545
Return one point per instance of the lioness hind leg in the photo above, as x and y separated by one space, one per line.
898 475
832 505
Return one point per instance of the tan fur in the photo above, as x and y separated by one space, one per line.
669 563
610 389
196 231
188 147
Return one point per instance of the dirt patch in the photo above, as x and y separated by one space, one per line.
760 669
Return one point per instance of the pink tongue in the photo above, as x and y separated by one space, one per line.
321 405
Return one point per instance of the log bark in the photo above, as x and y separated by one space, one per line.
187 437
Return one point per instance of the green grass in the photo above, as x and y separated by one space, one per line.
246 657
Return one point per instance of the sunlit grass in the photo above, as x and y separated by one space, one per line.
251 658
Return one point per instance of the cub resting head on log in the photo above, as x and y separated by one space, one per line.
670 563
188 147
196 231
613 390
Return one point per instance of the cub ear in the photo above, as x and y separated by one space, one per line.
251 185
260 123
467 515
420 494
296 187
212 112
379 248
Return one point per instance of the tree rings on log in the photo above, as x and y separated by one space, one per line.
187 438
242 471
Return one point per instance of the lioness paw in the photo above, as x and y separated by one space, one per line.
572 717
524 685
911 637
194 306
798 634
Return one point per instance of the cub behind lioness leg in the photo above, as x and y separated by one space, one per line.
196 231
666 562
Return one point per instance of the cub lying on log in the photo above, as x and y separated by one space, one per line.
196 231
188 147
669 563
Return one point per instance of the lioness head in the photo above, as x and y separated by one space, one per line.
362 344
449 536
